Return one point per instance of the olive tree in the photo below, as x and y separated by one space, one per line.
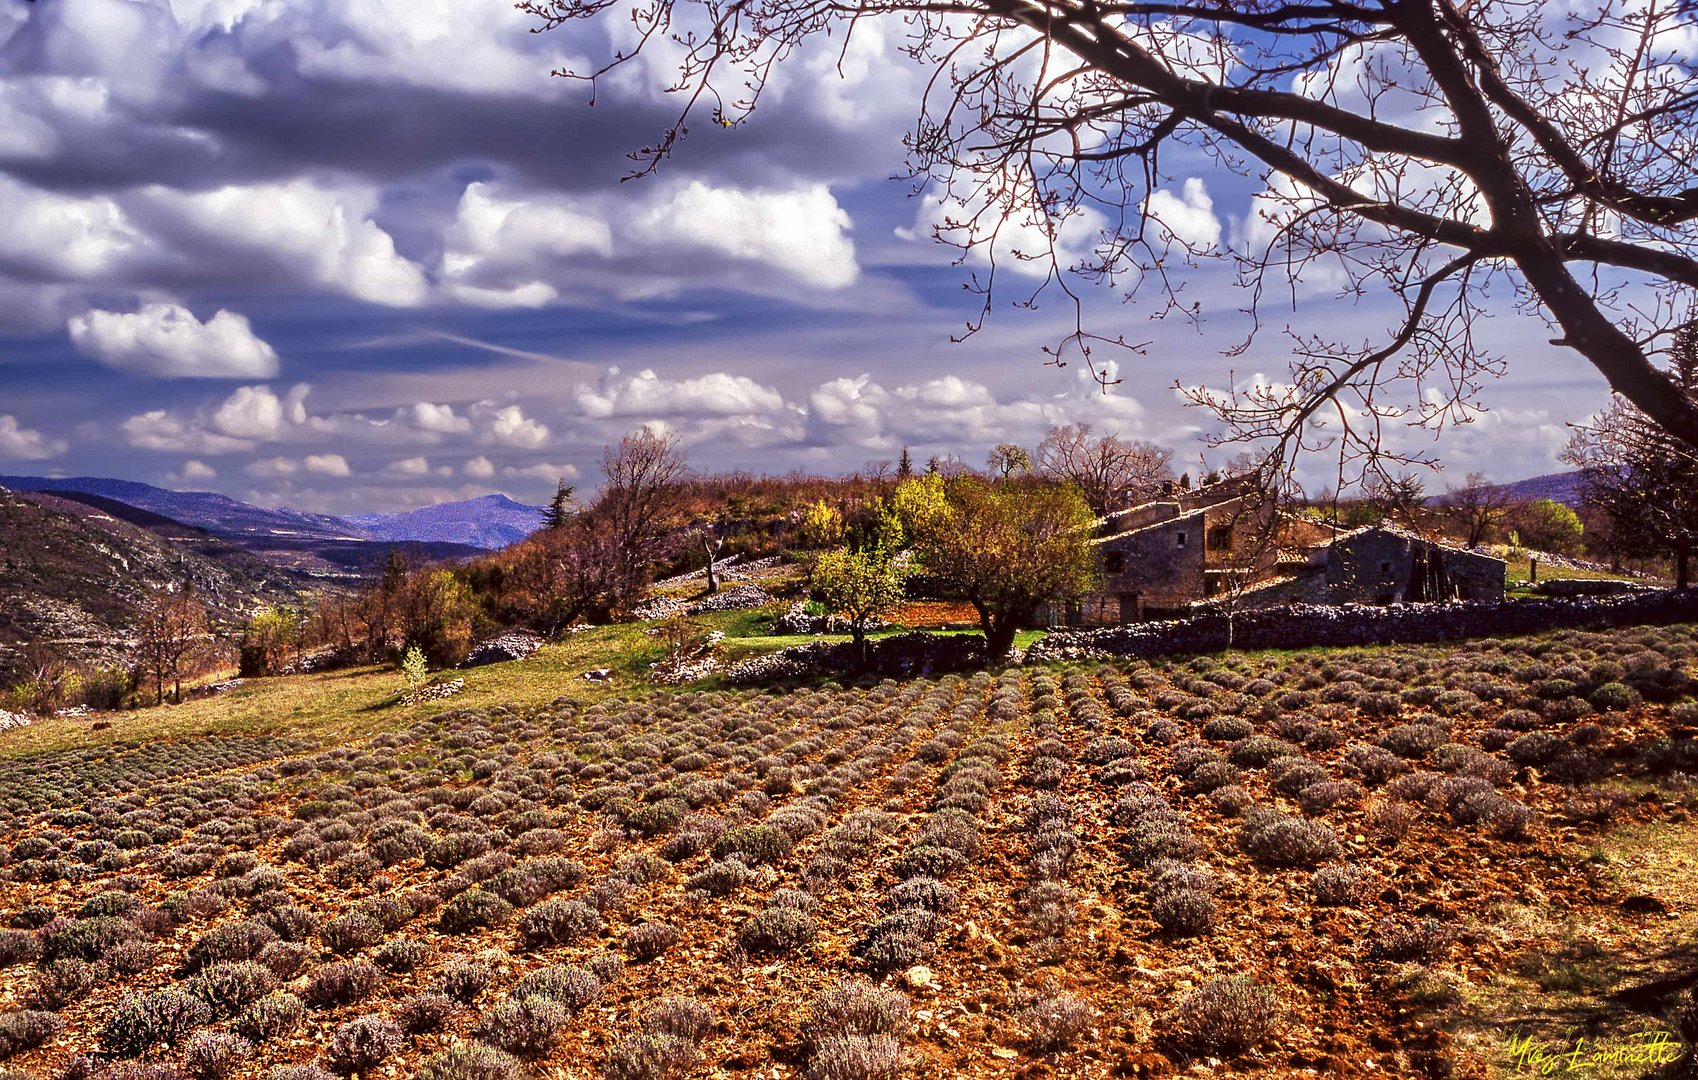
1432 150
1005 547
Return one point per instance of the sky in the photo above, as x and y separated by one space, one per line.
364 255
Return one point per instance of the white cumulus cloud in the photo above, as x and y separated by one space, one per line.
167 341
19 443
327 465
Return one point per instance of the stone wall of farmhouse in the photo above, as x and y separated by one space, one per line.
1375 568
1299 626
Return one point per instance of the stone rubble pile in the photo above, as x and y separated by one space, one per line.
513 645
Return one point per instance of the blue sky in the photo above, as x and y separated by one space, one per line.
361 255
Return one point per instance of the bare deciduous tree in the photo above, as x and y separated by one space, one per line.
1111 472
640 496
1008 460
1431 149
1478 507
171 631
1644 480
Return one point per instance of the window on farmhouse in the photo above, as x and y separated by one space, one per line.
1181 540
1114 562
1220 538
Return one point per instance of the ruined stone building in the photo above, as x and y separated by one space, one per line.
1383 564
1159 558
1225 542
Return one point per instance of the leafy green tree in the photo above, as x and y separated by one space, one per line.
1546 525
862 582
821 527
1006 547
268 638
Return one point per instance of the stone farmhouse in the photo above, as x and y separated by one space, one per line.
1226 540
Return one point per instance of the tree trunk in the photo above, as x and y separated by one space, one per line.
1683 566
711 549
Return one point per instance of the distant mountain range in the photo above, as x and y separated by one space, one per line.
1562 487
492 521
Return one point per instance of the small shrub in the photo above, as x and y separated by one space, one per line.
350 933
856 1007
570 985
1231 800
471 1061
924 892
1228 729
928 860
464 980
231 987
88 939
58 983
1318 798
238 941
363 1044
1536 748
649 940
776 931
19 947
1183 913
755 844
271 1017
1336 886
1259 751
558 922
472 910
419 1014
856 1057
400 957
1055 1023
286 959
1226 1017
1414 741
721 878
1399 939
214 1055
1614 697
342 983
527 1028
650 1055
141 1021
1279 840
27 1029
1291 775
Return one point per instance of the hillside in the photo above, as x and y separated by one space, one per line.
74 575
218 514
1260 864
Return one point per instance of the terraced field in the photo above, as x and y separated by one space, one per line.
1338 863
